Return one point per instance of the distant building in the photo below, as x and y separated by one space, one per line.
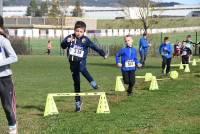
178 11
116 12
14 11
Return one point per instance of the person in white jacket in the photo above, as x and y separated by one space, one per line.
7 92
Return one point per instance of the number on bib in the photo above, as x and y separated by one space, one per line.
129 63
76 52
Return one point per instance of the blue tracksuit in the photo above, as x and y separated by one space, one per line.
128 58
143 49
127 54
166 52
77 50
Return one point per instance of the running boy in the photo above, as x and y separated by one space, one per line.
126 59
186 53
166 53
7 92
77 45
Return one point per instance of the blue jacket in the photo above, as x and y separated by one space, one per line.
166 50
143 44
81 44
127 54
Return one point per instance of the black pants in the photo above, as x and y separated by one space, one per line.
48 51
129 78
166 62
185 60
7 95
77 67
143 55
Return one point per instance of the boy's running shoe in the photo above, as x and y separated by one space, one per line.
130 94
94 85
78 105
13 129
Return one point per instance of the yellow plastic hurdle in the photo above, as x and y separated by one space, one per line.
51 109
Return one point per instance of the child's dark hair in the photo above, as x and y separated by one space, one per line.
129 36
80 24
166 38
145 34
1 22
189 36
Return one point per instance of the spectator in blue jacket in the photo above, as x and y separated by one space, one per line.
143 48
77 46
126 59
166 53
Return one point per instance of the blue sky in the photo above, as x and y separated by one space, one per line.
184 1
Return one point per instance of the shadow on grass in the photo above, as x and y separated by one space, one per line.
39 108
150 66
102 64
197 75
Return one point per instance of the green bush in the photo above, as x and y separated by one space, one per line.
19 45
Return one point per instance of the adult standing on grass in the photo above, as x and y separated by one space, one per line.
166 53
77 46
7 92
143 48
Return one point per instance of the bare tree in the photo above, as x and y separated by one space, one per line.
144 10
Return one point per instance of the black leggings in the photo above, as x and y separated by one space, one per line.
129 78
166 62
7 95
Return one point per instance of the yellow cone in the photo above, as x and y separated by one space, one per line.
148 76
103 106
50 107
194 63
154 84
119 84
181 66
187 69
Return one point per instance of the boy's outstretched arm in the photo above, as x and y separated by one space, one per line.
117 58
95 48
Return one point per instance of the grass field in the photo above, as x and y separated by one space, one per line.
158 23
174 109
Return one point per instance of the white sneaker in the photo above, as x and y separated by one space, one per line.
13 129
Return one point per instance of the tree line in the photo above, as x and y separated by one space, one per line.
53 9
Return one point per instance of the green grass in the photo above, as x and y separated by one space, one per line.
172 109
158 23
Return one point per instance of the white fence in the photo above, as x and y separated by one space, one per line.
56 33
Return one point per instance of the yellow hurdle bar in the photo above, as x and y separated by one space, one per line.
51 108
76 94
140 77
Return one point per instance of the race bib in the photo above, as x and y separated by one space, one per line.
129 63
184 53
188 45
164 53
76 52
